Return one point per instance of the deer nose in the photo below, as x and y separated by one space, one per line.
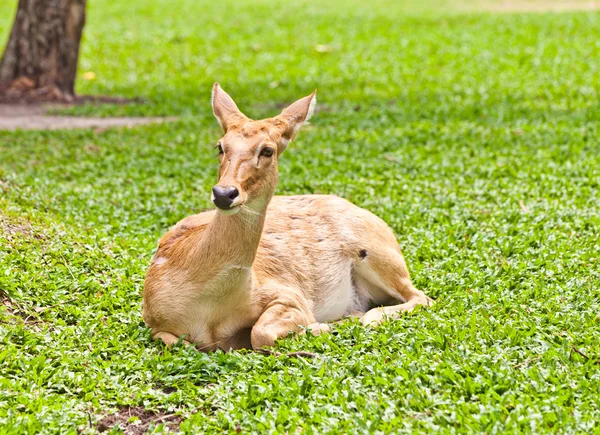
223 196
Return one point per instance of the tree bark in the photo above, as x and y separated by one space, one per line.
40 58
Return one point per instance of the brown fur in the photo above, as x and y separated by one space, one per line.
271 265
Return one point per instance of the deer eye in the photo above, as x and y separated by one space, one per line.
267 152
219 148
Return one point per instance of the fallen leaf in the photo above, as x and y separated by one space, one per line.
523 207
322 48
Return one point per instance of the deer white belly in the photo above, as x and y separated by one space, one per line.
337 300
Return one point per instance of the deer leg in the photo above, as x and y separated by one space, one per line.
317 328
168 339
375 316
281 317
385 270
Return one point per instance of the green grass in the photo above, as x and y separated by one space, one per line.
474 135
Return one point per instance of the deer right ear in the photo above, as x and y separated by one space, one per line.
294 116
225 109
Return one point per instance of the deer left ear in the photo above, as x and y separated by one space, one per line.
293 117
225 109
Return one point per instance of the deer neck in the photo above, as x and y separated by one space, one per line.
236 237
222 260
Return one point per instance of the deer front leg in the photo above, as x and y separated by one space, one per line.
281 317
167 338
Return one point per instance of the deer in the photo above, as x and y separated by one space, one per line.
260 266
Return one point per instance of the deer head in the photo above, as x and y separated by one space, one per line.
249 150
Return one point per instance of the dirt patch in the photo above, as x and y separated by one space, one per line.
6 302
12 230
12 312
34 117
542 5
135 420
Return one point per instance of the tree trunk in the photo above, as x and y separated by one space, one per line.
40 59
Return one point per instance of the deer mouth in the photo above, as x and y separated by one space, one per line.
231 210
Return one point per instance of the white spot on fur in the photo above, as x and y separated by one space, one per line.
238 266
160 260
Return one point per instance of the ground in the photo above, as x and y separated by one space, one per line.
39 117
473 132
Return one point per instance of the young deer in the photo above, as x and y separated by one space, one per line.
261 266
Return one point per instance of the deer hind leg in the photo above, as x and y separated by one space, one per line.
384 275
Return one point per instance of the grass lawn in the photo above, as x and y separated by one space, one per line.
473 134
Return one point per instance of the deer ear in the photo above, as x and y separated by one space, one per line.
293 117
225 109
